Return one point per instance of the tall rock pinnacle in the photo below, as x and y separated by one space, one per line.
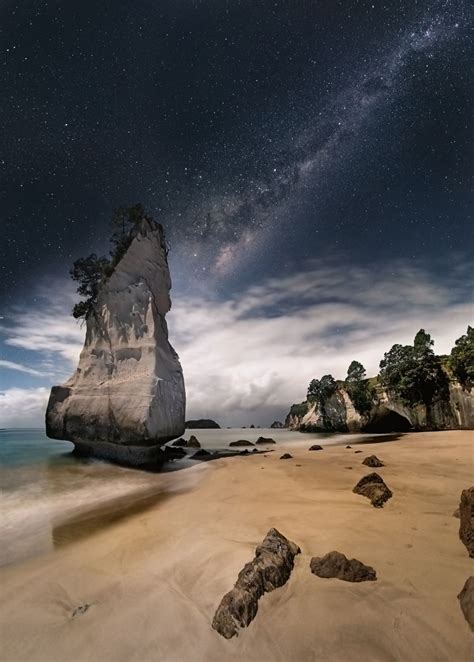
127 395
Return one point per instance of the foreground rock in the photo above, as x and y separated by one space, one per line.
373 487
202 424
201 454
315 447
466 526
241 442
265 440
335 564
286 456
180 442
466 601
127 397
193 442
373 461
270 568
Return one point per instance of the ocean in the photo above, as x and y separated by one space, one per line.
48 496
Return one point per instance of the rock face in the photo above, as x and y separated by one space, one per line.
466 526
202 423
387 414
270 568
466 601
335 564
373 461
127 395
373 487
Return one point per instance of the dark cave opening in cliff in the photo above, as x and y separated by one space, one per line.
387 420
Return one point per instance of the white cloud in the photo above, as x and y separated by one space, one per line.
23 407
247 359
11 365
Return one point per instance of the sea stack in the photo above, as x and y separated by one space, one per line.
127 396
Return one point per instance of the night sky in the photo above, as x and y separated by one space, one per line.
272 140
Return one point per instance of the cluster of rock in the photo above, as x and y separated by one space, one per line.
271 568
202 424
126 397
339 414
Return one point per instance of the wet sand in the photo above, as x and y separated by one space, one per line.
151 573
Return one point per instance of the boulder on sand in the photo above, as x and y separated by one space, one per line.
373 461
193 442
270 568
466 525
265 440
466 601
335 564
373 487
286 456
316 447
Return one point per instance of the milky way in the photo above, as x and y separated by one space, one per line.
260 134
230 230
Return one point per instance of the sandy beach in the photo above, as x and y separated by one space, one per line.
152 572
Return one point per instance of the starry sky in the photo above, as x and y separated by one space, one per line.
310 161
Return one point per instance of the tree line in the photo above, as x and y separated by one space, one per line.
414 374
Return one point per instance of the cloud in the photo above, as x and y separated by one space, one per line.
11 365
23 407
248 358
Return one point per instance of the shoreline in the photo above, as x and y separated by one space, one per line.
153 571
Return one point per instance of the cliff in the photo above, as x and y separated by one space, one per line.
387 414
126 397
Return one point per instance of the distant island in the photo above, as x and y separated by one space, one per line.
202 423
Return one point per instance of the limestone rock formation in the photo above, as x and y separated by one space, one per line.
335 564
127 395
466 601
373 461
466 526
387 414
270 568
373 487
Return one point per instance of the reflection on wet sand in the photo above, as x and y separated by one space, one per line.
105 515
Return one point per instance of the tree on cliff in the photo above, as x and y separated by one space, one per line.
413 372
321 389
88 272
124 221
461 359
357 386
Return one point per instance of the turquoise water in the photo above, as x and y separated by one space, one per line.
43 486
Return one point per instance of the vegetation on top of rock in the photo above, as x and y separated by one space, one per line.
461 359
413 372
321 389
358 387
91 271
